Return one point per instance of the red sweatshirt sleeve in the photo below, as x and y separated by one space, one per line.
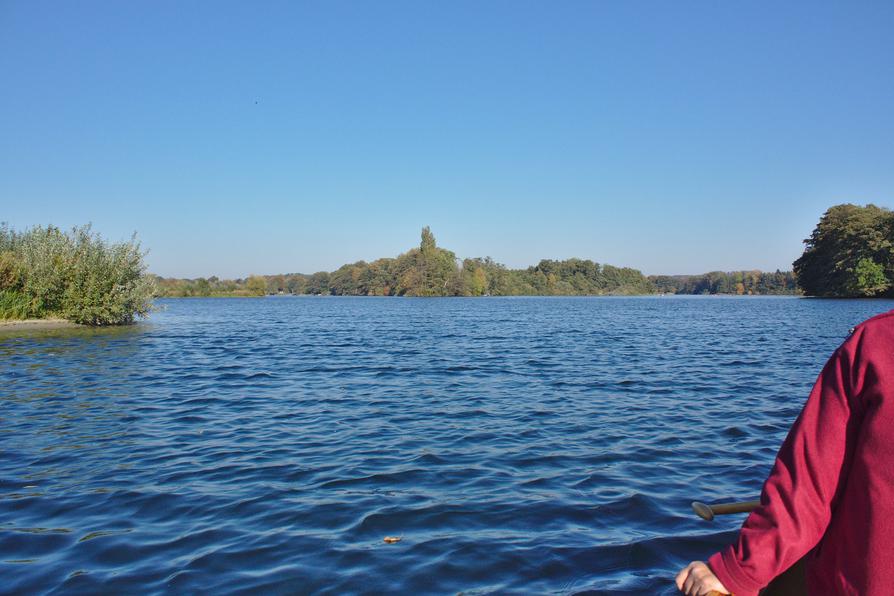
798 497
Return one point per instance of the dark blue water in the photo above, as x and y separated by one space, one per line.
516 445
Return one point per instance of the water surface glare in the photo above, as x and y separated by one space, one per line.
516 445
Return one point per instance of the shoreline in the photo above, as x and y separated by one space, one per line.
655 295
18 325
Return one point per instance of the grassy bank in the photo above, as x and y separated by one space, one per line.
77 276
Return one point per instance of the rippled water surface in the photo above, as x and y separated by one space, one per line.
546 445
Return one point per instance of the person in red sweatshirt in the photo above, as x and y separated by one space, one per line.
830 493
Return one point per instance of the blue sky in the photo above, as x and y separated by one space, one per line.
267 137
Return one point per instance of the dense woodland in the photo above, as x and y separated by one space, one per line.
433 271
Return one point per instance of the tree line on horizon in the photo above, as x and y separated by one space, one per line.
76 275
754 282
430 270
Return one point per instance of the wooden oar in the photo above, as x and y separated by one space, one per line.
708 512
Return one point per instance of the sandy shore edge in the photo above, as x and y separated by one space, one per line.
37 324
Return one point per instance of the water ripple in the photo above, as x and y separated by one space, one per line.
532 445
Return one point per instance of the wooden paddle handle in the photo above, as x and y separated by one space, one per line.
708 512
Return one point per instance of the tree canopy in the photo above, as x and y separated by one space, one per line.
849 254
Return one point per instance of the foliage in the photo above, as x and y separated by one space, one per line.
581 277
430 270
11 273
16 305
849 254
869 278
106 284
201 287
75 275
256 285
734 282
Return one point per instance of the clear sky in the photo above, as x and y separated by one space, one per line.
267 137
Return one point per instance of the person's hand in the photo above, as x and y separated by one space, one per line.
697 579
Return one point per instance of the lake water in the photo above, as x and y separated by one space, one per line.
528 445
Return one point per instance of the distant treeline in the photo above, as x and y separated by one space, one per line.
256 285
433 271
76 275
735 282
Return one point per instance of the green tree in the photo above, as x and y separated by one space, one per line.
846 236
256 285
478 285
870 279
433 271
318 283
428 245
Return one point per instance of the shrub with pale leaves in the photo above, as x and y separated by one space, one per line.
76 275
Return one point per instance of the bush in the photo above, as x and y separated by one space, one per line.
16 305
11 274
75 275
46 258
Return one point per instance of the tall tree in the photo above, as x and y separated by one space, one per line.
428 245
436 270
849 254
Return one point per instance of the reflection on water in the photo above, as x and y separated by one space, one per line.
515 445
